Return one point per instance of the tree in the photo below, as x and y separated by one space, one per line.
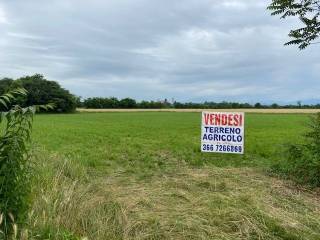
41 91
127 103
299 103
308 11
5 85
100 103
258 105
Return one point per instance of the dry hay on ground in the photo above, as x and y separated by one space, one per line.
190 203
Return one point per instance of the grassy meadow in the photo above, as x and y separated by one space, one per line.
141 175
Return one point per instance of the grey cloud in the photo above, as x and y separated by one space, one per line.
188 50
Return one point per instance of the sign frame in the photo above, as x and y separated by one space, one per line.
223 132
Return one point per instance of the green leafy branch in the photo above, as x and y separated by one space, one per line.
308 11
15 172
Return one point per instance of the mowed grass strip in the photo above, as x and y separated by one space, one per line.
142 176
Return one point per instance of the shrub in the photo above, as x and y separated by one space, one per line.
302 162
16 124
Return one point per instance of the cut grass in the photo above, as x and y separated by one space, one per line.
188 203
142 176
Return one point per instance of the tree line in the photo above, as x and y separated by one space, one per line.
42 91
114 103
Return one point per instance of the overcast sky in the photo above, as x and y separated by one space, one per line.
189 50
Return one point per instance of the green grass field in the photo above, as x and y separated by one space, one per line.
107 140
142 176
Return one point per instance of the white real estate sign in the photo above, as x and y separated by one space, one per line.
222 132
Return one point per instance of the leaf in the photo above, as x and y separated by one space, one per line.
5 97
3 103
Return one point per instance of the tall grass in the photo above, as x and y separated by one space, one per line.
301 162
68 206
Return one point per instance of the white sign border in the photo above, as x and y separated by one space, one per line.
243 129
